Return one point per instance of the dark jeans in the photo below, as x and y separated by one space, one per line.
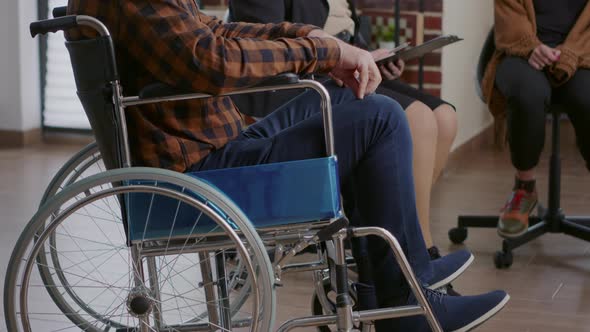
529 94
374 150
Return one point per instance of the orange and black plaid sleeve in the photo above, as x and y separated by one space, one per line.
256 30
182 50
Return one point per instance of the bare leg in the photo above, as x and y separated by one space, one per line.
446 120
424 135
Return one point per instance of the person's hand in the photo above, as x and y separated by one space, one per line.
357 70
389 70
542 56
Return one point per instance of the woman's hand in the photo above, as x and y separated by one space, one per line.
392 71
542 56
389 70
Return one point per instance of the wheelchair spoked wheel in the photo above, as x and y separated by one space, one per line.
85 163
185 285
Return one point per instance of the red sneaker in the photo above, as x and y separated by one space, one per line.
514 217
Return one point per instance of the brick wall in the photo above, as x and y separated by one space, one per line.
414 27
381 13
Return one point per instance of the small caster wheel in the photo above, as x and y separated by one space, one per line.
458 234
503 260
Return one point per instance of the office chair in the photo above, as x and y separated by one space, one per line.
548 220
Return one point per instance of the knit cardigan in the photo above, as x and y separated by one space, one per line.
515 31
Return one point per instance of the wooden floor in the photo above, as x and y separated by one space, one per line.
549 282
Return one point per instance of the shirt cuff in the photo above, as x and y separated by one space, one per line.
328 53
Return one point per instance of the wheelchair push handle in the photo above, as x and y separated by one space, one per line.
67 22
53 25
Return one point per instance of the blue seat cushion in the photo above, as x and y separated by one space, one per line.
275 194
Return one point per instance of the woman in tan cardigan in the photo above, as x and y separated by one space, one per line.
542 56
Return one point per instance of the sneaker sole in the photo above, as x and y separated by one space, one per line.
512 235
453 276
485 316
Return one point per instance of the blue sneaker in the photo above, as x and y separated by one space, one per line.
449 267
454 313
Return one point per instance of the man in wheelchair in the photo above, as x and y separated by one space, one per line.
174 43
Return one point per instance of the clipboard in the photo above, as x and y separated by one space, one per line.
422 49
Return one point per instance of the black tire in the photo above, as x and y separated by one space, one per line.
458 235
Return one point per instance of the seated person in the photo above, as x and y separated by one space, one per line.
542 59
433 122
174 43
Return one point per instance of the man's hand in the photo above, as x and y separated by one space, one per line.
357 70
542 56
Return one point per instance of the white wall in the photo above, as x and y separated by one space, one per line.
19 68
471 20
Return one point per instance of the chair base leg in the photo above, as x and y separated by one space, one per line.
578 227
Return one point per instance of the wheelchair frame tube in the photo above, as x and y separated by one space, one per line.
345 317
224 309
326 107
155 289
93 23
405 267
206 273
358 317
343 300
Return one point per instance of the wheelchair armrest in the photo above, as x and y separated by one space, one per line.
158 90
326 233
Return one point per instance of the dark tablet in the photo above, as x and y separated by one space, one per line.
422 49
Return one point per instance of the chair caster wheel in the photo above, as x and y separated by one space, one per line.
503 259
458 234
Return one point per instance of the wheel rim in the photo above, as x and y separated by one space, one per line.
85 163
162 262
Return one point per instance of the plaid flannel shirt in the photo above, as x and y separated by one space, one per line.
172 42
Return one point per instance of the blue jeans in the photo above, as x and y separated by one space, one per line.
374 150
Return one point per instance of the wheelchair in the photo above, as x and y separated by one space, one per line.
119 248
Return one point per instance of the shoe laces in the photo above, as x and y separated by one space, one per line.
434 296
515 202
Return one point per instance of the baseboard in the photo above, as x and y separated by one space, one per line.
67 138
19 139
